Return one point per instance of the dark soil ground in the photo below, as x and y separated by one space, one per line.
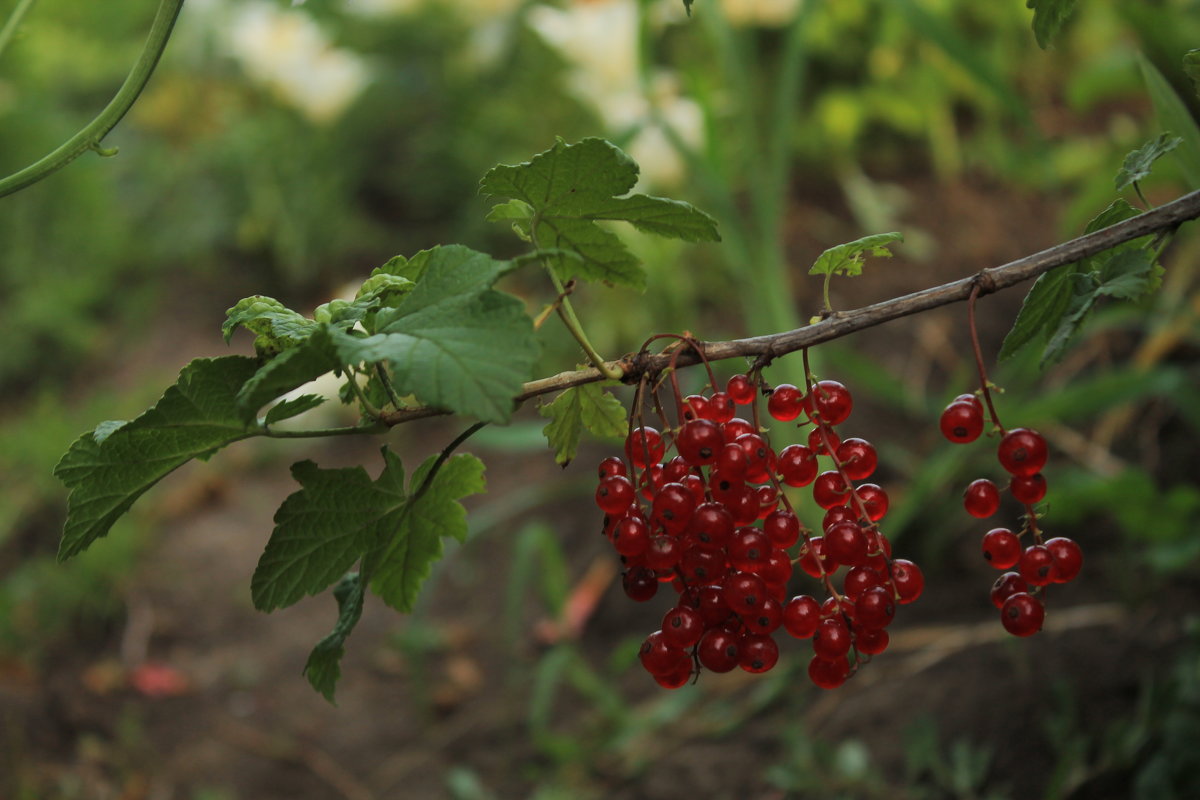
446 704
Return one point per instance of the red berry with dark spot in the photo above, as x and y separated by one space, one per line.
718 650
785 403
981 499
644 446
1022 452
1068 558
1001 548
962 421
1037 565
700 442
740 390
1028 489
1006 586
1022 614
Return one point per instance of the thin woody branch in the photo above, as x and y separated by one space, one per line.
843 323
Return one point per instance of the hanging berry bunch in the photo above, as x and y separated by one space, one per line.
714 524
1020 593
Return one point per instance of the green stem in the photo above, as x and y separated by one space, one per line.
368 407
348 430
825 291
90 137
10 27
1138 189
381 371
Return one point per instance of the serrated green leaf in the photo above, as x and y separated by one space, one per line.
453 342
1082 299
568 188
1126 275
289 370
513 209
293 407
276 327
433 512
323 667
588 406
1173 115
1139 163
1191 68
335 518
194 418
847 259
1118 210
381 283
1048 18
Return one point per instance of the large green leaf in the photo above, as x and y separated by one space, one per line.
407 557
1174 116
291 369
453 342
566 190
1139 162
109 468
848 258
276 327
323 667
321 530
1048 18
588 406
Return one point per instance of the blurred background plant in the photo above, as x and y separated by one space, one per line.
287 148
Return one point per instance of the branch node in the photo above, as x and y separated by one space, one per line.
985 282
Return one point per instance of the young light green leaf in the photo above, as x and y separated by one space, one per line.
384 284
1191 68
433 512
1048 18
847 259
453 342
289 370
1173 115
1139 163
194 418
588 406
276 327
323 667
293 407
336 517
568 188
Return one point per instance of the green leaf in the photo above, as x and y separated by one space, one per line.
276 327
1139 163
847 259
289 370
453 342
1048 18
416 542
335 518
1173 115
293 407
194 418
569 188
1191 67
587 406
687 6
323 667
1127 274
1082 299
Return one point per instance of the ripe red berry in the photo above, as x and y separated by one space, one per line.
871 641
631 536
797 465
832 639
1022 452
907 579
846 544
682 627
740 390
640 584
875 608
612 466
830 490
785 403
749 549
1022 614
778 569
874 500
744 592
817 437
813 557
644 446
736 427
720 408
1068 558
677 677
732 461
614 494
801 616
766 619
1037 565
694 406
1006 586
673 507
858 458
962 421
758 653
699 442
858 579
828 674
718 650
838 514
664 553
1028 489
1001 548
658 657
712 526
831 402
981 499
782 527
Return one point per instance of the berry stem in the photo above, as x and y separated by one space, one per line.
566 312
983 377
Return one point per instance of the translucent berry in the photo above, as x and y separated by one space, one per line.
718 650
846 544
785 403
1001 548
644 446
981 499
778 569
614 494
1037 565
871 641
830 490
734 428
875 608
1068 558
838 514
767 618
827 674
797 465
832 639
695 406
858 580
611 466
1022 452
874 500
640 584
1006 586
720 408
758 653
962 421
817 437
631 536
658 657
749 550
801 616
740 390
664 553
677 677
1028 489
673 507
782 527
744 593
831 401
1022 614
682 627
699 442
732 461
907 579
858 458
712 526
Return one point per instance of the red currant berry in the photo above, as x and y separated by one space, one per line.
1022 452
874 500
664 553
783 528
749 550
813 559
846 544
871 641
778 569
614 494
673 507
644 446
718 650
768 500
1006 586
1022 614
682 627
712 526
832 639
858 580
907 579
838 514
658 657
744 506
710 600
830 490
699 442
720 408
832 402
767 618
735 428
1028 489
1037 565
827 674
640 584
676 470
631 536
1068 558
857 458
817 437
759 456
801 616
612 466
981 499
677 677
732 461
962 421
759 653
744 592
797 465
694 406
701 566
1001 548
785 403
875 608
740 390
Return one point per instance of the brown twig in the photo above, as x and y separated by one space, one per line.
843 323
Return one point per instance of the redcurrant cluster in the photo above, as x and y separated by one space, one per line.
714 524
1019 594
